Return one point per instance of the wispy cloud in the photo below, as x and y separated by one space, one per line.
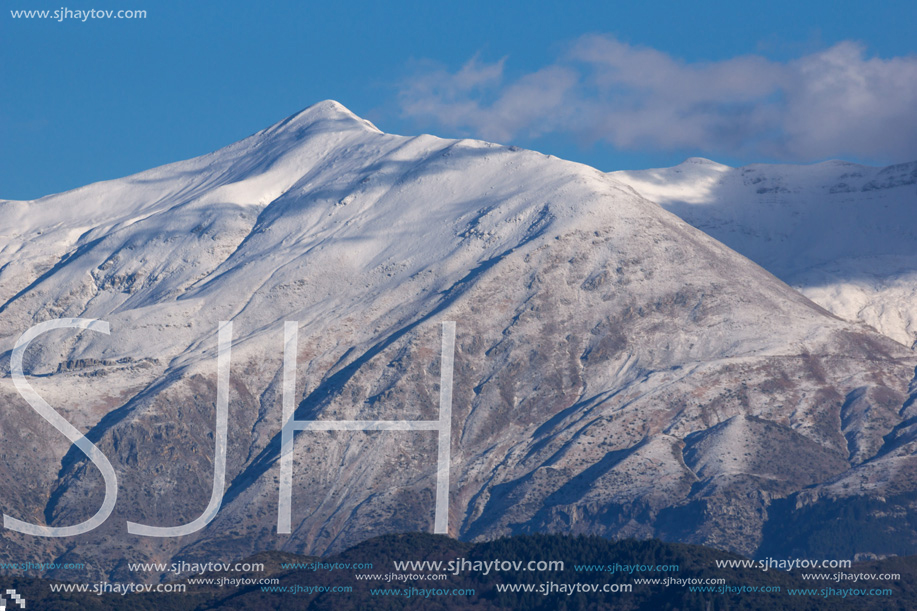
837 102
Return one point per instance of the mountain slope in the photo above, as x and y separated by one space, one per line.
612 362
845 235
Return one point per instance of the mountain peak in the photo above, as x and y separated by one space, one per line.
327 109
701 161
328 112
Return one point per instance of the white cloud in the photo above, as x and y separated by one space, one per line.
834 103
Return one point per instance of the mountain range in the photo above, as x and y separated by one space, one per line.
617 371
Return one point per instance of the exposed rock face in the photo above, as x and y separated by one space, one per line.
616 370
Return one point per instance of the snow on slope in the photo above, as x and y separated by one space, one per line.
845 235
183 246
596 334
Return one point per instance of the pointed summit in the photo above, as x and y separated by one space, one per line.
328 113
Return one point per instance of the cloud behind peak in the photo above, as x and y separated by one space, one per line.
837 102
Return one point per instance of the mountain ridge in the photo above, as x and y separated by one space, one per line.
599 338
840 233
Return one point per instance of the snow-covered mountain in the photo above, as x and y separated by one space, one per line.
845 235
617 371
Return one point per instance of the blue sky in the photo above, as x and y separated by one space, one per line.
617 85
